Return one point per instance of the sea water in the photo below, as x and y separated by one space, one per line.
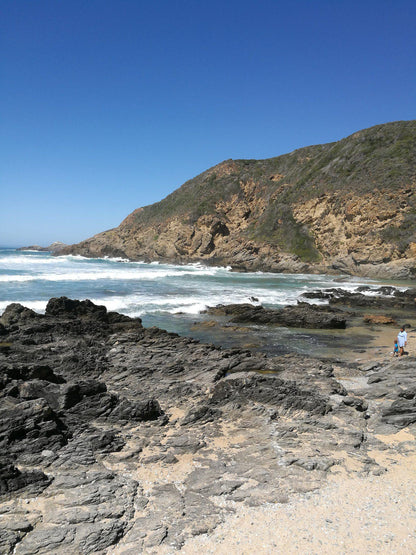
167 295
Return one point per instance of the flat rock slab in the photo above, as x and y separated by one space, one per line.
303 315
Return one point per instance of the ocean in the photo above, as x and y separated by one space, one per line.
165 295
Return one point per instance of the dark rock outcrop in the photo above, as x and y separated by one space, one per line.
303 315
381 298
12 479
270 391
117 435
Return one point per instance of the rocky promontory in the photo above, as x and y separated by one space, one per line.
120 439
343 207
55 248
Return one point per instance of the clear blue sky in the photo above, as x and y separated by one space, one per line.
111 105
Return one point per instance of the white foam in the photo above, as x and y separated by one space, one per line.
104 274
139 304
10 278
136 288
28 261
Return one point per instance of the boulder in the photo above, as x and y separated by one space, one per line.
16 313
63 306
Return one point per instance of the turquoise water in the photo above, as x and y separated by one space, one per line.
166 295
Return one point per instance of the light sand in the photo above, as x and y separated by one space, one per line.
351 514
372 514
381 342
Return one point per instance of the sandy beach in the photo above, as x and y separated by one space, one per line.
354 513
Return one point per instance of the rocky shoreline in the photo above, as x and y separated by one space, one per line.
320 209
117 439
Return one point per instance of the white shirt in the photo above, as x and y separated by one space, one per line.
402 338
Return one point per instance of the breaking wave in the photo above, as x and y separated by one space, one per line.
138 289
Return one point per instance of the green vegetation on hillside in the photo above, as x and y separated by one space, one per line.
382 157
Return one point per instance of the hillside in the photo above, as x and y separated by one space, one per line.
346 206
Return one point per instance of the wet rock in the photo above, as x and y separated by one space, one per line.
380 298
303 315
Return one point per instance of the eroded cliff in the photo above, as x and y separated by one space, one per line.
348 206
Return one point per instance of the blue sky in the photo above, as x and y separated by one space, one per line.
111 105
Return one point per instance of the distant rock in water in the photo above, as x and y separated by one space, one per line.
54 248
344 207
383 297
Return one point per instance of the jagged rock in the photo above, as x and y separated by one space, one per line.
16 313
384 297
138 411
12 479
269 390
33 371
54 247
401 412
30 426
73 393
141 438
203 413
64 306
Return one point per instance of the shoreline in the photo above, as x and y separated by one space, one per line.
375 274
149 442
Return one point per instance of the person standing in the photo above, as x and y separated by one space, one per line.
402 340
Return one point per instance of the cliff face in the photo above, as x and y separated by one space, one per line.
347 206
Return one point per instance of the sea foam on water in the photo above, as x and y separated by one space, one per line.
140 289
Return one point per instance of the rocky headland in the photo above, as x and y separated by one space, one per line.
55 248
117 439
347 206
